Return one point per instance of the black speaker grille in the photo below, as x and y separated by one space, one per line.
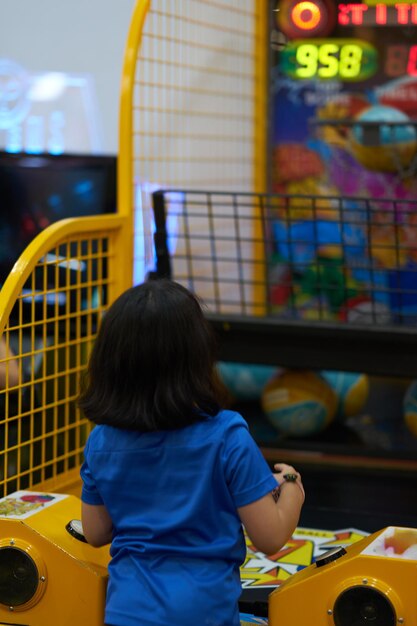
19 577
363 606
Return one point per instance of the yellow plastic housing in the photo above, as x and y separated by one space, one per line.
72 576
311 595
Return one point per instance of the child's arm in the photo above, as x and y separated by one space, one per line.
270 521
97 524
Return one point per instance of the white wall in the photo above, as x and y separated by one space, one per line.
76 36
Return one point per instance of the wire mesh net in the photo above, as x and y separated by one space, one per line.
46 342
317 258
195 93
194 88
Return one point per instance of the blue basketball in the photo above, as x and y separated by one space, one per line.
351 389
245 381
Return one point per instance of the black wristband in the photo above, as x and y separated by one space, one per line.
291 478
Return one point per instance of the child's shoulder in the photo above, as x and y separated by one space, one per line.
227 419
103 436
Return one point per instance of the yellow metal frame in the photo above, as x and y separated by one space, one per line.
260 147
125 176
261 104
43 436
52 237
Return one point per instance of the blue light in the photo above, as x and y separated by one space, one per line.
34 134
56 149
56 129
13 148
55 200
14 139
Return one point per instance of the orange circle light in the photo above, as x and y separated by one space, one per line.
306 15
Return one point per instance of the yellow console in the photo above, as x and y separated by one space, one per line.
49 576
371 583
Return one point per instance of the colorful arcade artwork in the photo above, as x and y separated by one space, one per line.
261 571
22 504
394 543
343 124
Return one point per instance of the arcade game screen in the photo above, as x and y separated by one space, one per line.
37 190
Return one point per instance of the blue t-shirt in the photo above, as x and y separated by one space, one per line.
172 496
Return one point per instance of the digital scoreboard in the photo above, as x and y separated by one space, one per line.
345 59
361 40
334 62
342 122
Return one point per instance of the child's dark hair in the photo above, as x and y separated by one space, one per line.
152 366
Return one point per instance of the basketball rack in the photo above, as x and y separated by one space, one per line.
297 281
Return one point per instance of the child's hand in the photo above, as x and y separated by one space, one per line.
282 470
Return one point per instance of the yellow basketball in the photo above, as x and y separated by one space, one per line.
299 403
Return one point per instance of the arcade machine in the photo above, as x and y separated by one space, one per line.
343 126
48 575
318 578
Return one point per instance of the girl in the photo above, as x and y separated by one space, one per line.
169 477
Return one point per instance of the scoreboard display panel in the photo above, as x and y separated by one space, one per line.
343 97
343 125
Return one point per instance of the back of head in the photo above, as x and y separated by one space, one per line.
152 365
